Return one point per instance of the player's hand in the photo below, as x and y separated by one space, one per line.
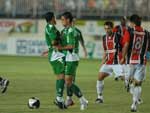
58 47
45 53
122 61
85 54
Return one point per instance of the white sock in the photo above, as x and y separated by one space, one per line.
140 91
82 100
60 99
69 97
131 88
100 87
136 93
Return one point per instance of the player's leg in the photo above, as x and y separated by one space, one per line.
119 72
104 71
58 67
139 76
4 84
130 70
69 100
69 72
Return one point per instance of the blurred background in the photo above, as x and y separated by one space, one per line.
22 22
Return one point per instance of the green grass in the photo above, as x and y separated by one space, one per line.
32 76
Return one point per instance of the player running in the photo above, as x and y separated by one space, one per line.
113 57
136 58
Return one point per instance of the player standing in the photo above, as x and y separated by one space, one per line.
69 101
70 47
55 57
122 29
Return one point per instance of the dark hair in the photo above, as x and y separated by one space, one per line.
68 15
124 18
49 16
109 23
135 19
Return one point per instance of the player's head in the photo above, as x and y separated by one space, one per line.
66 19
135 20
123 20
108 26
50 18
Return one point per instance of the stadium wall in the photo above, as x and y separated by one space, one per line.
25 37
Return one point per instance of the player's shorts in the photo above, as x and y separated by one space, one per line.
109 69
58 66
70 68
136 71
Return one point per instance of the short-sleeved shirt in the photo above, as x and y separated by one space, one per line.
69 37
52 35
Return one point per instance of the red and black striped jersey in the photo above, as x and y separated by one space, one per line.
112 47
138 46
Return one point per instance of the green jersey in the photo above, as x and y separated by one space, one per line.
69 37
52 36
80 37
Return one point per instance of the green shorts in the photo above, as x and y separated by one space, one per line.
70 68
58 66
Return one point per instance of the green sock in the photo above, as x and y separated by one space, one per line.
60 87
69 92
76 90
57 87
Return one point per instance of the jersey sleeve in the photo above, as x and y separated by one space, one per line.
51 32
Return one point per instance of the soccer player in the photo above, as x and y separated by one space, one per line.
122 29
55 57
70 47
113 57
4 84
69 101
136 58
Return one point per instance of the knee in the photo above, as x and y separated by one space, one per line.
68 82
137 83
101 76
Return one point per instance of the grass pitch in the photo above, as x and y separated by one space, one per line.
33 76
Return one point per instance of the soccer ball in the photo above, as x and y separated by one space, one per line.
34 103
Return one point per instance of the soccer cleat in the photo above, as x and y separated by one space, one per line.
99 100
84 105
140 101
60 105
4 85
116 78
69 102
134 107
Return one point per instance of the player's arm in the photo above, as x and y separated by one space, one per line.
83 44
125 45
103 58
45 53
148 41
